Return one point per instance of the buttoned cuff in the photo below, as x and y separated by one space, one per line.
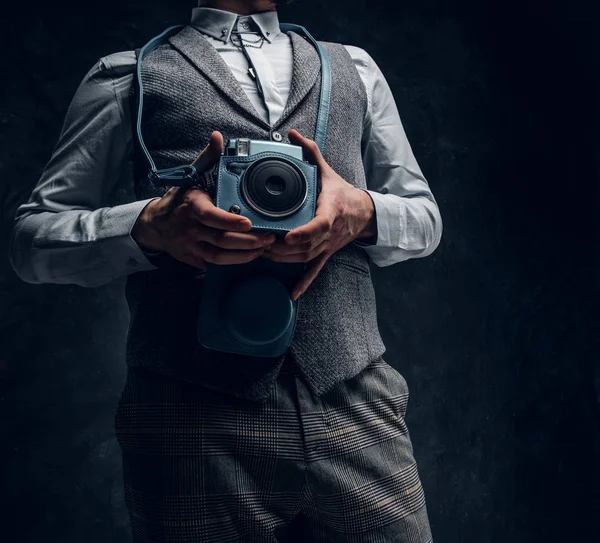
386 217
123 253
372 240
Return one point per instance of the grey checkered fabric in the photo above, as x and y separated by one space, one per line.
201 467
189 91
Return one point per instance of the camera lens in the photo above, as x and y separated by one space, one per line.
274 187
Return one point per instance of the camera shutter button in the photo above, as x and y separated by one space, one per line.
276 136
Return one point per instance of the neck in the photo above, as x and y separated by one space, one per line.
241 7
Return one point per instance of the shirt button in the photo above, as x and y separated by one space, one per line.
276 136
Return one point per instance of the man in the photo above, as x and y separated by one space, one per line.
219 447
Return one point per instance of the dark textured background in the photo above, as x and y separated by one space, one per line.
496 332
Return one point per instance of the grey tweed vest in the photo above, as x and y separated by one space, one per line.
189 91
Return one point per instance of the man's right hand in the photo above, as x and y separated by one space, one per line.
186 224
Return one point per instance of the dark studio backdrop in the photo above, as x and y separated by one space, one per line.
496 332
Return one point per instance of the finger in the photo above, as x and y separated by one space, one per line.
205 211
282 248
216 255
312 153
211 153
315 230
192 257
234 240
312 270
297 257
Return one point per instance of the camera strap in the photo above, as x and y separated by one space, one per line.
187 175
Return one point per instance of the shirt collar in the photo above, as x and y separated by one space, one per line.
219 23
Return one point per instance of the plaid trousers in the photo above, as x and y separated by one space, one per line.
201 466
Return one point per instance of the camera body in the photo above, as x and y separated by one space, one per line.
268 182
247 308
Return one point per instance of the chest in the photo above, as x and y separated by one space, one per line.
190 89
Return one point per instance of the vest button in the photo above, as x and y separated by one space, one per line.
276 136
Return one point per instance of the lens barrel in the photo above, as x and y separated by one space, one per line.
274 187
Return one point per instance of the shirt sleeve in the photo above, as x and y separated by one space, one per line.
63 234
408 219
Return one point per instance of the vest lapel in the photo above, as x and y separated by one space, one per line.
203 56
198 51
306 68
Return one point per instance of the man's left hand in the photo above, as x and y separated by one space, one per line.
344 213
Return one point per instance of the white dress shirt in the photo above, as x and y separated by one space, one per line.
66 233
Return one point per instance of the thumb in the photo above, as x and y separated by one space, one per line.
312 153
210 154
174 196
204 161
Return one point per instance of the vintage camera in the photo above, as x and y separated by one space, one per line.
247 308
268 182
